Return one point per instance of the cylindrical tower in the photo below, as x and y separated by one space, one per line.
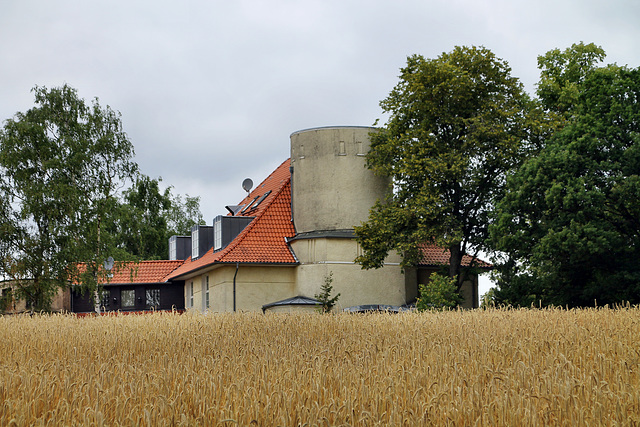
332 189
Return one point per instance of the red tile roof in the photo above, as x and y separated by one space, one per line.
143 271
130 272
434 255
263 240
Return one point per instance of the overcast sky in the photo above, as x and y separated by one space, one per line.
210 91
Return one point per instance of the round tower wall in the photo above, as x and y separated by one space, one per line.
332 189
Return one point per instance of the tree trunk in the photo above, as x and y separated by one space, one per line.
455 261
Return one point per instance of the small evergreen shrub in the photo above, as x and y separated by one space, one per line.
325 295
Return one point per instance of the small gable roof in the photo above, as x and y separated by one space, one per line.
433 255
297 300
139 272
263 241
143 272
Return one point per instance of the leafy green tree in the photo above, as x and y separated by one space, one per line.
441 293
570 223
62 164
143 223
184 214
457 125
149 216
488 299
562 73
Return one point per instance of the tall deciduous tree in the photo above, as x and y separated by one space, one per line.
143 224
184 214
149 216
570 224
457 124
562 73
62 164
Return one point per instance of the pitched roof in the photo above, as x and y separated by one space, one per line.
434 255
263 240
143 271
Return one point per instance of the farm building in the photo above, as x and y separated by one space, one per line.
274 250
135 286
277 246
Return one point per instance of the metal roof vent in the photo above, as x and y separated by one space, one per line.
234 209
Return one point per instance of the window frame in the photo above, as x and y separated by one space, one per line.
191 294
105 298
122 298
217 233
155 296
206 296
195 243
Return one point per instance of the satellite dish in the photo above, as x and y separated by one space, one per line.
247 185
108 264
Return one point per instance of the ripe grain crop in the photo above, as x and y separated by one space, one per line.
494 367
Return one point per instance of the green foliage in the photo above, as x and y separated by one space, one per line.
62 164
6 298
562 73
569 224
183 214
441 293
327 302
148 217
488 299
457 125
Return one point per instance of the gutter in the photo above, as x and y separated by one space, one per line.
184 276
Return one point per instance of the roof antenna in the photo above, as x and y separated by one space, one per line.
247 185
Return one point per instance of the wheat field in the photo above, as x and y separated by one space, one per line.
493 367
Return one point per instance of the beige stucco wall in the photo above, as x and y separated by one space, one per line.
319 257
469 293
331 187
256 285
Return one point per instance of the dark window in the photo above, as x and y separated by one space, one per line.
128 298
104 300
152 298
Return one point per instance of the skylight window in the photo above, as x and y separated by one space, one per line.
249 205
261 199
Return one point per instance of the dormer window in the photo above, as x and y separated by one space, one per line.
195 242
217 233
179 247
201 240
226 228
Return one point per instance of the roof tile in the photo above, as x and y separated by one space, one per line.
263 241
143 271
434 255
